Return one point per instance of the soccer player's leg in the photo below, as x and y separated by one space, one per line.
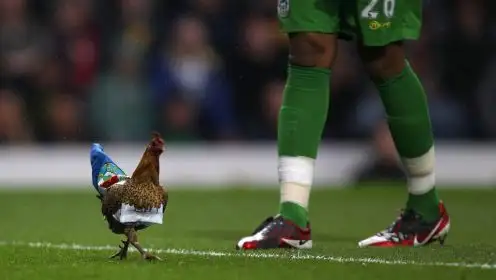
311 25
383 28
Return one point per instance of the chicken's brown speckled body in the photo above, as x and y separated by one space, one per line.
143 196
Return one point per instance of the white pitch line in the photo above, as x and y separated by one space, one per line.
257 255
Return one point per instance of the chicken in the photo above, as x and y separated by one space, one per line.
136 202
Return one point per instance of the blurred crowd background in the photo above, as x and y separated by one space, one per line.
113 70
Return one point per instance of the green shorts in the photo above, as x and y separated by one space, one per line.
373 22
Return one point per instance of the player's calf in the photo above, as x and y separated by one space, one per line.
302 118
407 112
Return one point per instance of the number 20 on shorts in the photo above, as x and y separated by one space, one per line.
373 9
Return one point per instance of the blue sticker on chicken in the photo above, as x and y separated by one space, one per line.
104 170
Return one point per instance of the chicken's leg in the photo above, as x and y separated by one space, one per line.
122 253
132 238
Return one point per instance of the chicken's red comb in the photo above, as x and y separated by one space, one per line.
157 142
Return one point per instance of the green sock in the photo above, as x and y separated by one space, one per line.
408 117
426 204
303 112
301 121
294 212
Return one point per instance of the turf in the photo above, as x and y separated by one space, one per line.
210 222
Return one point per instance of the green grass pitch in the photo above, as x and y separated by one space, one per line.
61 235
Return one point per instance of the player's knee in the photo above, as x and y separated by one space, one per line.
385 62
312 49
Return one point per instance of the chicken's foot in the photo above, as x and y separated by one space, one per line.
132 238
122 253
